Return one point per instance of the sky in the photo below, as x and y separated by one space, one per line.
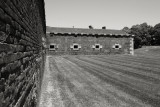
114 14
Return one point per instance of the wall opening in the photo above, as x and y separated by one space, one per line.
117 46
75 46
97 47
53 47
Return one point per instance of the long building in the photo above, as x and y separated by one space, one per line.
76 41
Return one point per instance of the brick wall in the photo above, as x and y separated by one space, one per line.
22 26
86 42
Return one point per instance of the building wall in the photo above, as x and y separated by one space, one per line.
86 42
22 26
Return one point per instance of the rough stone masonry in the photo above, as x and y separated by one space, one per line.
22 27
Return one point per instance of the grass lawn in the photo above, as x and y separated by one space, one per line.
105 80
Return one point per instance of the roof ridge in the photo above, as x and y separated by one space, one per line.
87 31
81 28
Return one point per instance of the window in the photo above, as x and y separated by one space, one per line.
53 47
97 47
75 46
116 46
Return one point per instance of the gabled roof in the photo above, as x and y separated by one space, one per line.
82 31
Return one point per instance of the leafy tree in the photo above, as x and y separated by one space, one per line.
144 34
148 39
157 34
137 42
126 29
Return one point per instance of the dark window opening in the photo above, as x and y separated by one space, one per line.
117 46
97 46
76 46
52 46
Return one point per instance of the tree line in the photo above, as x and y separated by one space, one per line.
145 35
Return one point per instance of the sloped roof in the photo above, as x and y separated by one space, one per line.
58 30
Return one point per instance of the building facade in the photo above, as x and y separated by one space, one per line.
78 41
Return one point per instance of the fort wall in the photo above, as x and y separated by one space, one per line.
22 27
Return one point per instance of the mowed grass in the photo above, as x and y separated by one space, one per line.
137 75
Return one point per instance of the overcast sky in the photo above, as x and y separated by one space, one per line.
114 14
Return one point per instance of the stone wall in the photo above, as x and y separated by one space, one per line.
86 43
22 26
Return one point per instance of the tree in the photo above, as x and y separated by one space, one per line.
157 34
143 31
126 29
144 34
137 42
148 39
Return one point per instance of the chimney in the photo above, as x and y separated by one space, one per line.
90 27
104 27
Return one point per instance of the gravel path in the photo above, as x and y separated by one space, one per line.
68 84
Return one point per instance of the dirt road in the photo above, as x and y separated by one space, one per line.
86 82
